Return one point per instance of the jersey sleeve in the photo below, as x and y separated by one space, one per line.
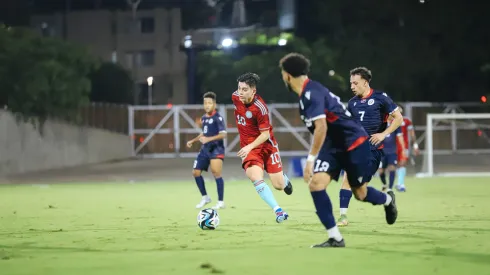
234 97
315 107
408 123
262 115
388 105
220 124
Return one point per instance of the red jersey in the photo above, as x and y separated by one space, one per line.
406 126
251 119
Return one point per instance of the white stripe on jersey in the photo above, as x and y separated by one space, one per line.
261 107
236 93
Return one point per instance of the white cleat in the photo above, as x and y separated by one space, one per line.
219 205
205 200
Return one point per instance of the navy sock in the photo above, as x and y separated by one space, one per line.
382 176
220 184
200 185
323 207
374 196
392 179
344 198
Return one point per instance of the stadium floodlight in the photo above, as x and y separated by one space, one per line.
187 41
282 42
227 42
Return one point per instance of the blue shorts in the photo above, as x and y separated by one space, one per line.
389 159
360 164
204 157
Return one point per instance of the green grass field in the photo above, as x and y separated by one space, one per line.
150 228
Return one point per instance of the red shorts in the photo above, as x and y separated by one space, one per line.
267 157
399 153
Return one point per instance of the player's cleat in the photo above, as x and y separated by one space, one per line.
281 216
203 202
401 188
330 243
219 205
289 188
391 212
342 221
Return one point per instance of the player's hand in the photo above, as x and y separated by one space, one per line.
416 151
308 172
204 140
377 138
244 151
189 143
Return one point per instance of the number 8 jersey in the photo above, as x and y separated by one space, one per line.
251 119
343 132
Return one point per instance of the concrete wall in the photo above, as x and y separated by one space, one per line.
24 149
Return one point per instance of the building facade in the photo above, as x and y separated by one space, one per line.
146 43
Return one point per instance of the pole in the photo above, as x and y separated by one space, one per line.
191 75
150 95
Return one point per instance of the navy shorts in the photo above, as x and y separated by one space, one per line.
204 158
360 164
390 159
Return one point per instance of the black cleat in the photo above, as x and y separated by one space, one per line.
289 188
330 243
391 212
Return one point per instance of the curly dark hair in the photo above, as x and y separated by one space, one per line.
363 72
295 64
251 79
210 95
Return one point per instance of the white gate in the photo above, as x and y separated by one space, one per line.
162 131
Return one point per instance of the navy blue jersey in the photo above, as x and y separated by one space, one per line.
389 143
372 111
316 101
212 125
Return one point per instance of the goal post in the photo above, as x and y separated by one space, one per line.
462 150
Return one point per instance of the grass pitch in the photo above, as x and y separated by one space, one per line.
150 228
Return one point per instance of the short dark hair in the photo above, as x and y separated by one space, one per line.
295 64
210 95
251 79
363 72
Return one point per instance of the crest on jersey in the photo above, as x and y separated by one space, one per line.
371 101
248 114
210 121
363 101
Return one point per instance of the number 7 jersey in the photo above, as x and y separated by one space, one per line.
251 119
316 101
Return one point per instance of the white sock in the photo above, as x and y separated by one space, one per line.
343 211
388 199
205 197
334 233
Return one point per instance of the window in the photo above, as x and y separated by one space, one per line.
146 58
147 25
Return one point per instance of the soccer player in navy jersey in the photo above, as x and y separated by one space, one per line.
390 158
212 150
372 109
339 142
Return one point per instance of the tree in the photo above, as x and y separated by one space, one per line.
111 83
218 70
43 77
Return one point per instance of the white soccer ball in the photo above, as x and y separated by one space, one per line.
208 219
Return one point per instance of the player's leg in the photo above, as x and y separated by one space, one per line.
356 162
391 168
216 169
325 169
345 196
273 166
382 174
201 164
401 171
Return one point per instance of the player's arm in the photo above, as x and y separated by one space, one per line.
400 141
263 137
397 122
413 137
190 142
319 136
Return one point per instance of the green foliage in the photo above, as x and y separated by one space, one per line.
111 83
42 77
218 70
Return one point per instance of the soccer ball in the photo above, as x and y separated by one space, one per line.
208 219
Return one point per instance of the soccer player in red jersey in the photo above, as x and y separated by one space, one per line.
259 150
407 130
